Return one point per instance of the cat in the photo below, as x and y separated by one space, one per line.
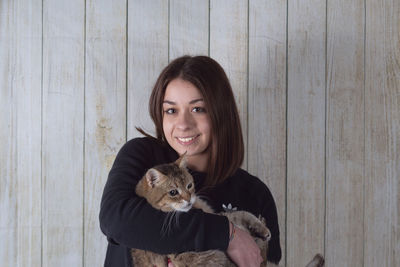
170 188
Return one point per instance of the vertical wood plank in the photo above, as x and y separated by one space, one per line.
382 134
8 203
105 111
20 133
63 132
188 33
345 133
267 100
306 130
228 46
147 56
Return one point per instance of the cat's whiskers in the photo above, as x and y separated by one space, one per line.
169 222
166 227
177 213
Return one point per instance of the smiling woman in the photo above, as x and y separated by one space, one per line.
226 149
186 124
194 112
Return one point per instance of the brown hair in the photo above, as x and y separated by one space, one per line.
227 148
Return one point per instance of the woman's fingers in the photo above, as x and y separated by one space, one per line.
243 250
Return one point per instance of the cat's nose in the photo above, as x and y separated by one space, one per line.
186 196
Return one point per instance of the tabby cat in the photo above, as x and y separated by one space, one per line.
170 188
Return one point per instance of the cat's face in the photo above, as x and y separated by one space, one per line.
171 187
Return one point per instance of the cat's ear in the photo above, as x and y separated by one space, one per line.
182 161
154 177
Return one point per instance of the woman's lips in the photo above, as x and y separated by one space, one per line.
187 140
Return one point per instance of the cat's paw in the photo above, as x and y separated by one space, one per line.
261 231
267 235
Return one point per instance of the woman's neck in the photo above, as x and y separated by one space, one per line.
198 163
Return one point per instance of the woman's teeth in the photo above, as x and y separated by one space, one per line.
186 139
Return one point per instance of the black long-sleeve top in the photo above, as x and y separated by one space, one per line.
129 221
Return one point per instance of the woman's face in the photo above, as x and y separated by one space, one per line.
186 124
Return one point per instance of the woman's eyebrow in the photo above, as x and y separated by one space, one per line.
168 102
191 102
196 100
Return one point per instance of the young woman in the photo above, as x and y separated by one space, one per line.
194 111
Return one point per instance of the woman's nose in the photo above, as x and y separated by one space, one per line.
185 121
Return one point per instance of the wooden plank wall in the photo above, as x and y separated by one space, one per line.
318 88
305 129
105 111
20 134
345 133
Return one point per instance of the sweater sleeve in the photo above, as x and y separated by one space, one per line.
128 220
269 212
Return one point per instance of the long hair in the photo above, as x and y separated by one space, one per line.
227 148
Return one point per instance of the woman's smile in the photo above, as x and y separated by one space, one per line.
186 141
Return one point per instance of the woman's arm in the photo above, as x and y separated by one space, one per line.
247 192
128 219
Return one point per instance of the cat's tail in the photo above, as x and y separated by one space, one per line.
317 261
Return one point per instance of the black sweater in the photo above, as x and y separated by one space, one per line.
129 221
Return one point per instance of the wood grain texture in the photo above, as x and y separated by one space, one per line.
188 28
20 135
228 46
60 128
267 101
105 111
382 134
63 132
147 56
345 133
306 131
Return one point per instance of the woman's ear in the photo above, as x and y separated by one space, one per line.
182 161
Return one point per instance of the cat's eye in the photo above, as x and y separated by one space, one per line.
173 192
189 186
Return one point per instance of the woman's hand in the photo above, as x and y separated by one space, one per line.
243 250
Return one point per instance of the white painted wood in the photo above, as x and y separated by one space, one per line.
53 182
188 28
63 132
147 56
345 133
267 101
306 131
20 134
8 202
105 111
228 46
382 134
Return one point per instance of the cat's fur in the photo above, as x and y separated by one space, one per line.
170 188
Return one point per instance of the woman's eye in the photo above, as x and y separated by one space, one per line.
170 111
189 186
173 192
198 109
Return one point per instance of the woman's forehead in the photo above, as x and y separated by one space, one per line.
179 90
